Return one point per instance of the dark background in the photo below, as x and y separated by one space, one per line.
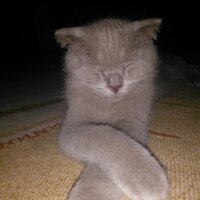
28 29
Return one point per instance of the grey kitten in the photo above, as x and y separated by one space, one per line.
111 65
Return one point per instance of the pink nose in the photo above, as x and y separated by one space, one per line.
116 88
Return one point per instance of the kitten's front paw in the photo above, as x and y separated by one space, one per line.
148 183
155 188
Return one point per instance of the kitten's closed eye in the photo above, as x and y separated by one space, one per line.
88 76
135 71
131 72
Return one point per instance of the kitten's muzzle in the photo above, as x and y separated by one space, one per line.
114 81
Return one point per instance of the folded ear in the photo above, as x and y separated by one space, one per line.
67 36
150 27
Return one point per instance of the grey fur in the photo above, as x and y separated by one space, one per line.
111 65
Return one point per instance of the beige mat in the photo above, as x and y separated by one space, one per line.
32 167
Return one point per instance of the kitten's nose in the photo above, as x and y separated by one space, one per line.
116 88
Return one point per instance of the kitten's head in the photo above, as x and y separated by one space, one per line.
110 57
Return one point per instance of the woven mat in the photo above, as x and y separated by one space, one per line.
32 167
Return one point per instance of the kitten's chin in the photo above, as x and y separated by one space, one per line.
117 99
113 96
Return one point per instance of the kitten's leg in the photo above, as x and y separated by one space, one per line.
95 184
128 164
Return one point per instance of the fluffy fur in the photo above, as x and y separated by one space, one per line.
111 65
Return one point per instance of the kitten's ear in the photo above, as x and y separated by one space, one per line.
150 27
67 36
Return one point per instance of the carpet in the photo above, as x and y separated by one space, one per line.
32 167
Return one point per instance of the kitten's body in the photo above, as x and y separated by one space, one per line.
110 89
